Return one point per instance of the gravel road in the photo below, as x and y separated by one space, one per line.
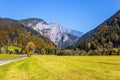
12 60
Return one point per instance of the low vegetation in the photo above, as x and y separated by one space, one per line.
63 68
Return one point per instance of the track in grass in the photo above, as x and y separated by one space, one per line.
63 68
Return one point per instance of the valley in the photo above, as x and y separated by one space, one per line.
59 40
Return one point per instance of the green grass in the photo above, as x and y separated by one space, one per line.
12 48
63 68
8 56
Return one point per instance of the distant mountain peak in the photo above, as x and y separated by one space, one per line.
33 20
62 37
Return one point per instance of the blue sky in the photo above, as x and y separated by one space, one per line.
81 15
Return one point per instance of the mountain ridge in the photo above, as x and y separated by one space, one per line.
14 33
105 38
54 31
92 31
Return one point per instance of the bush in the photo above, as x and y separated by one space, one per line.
17 51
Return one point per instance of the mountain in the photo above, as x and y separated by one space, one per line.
14 33
55 32
104 37
74 33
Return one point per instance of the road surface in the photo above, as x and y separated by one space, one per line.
12 60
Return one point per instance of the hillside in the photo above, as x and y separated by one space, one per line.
14 33
60 36
104 38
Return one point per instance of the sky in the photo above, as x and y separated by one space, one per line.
81 15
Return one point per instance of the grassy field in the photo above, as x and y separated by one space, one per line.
12 48
8 56
63 68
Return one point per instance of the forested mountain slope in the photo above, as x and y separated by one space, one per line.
14 33
105 37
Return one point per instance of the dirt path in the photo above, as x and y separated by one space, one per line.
12 60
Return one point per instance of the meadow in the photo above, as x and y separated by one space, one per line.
12 48
39 67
